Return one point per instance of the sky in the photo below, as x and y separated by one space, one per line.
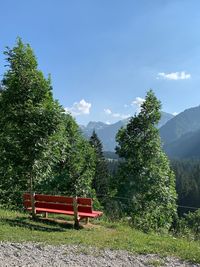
103 56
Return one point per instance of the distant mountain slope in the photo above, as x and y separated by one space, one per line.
165 117
107 133
110 155
185 122
187 146
93 125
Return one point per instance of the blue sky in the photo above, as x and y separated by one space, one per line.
104 55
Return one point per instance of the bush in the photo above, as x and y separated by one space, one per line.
151 220
189 225
113 210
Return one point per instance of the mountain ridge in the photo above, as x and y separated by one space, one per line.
183 123
180 134
107 132
185 147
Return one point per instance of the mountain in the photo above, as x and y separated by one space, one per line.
185 122
92 125
181 135
107 133
185 147
110 155
165 117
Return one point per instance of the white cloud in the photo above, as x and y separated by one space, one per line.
107 111
175 113
138 101
174 76
116 115
79 108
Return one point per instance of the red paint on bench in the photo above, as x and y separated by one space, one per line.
86 209
54 199
44 210
53 206
61 205
84 201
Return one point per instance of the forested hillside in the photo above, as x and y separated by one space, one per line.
187 174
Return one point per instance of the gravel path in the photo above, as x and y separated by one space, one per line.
34 254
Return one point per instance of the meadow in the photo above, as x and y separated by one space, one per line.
19 227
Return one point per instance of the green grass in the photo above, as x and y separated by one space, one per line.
18 227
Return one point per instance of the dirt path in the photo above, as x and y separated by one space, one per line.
34 254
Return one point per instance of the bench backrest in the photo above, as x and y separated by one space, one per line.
58 202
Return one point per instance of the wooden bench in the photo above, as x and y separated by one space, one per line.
80 208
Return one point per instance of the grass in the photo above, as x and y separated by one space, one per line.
18 227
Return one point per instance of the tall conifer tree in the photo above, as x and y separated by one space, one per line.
145 175
101 177
29 117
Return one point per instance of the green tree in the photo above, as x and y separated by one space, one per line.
145 178
75 165
187 183
29 118
101 178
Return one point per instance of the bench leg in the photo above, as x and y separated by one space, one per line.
46 215
76 217
76 223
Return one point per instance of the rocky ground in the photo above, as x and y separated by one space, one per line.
34 254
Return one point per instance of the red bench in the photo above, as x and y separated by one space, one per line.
80 208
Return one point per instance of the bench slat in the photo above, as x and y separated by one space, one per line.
27 203
26 196
54 199
81 214
54 206
84 201
86 209
41 210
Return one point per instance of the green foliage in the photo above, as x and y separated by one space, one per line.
75 165
189 225
101 177
187 183
41 147
29 118
145 178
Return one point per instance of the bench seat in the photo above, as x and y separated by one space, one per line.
94 214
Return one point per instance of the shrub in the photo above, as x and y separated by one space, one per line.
189 225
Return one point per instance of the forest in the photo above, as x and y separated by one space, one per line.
187 180
43 150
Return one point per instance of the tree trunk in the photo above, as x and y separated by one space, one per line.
33 213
